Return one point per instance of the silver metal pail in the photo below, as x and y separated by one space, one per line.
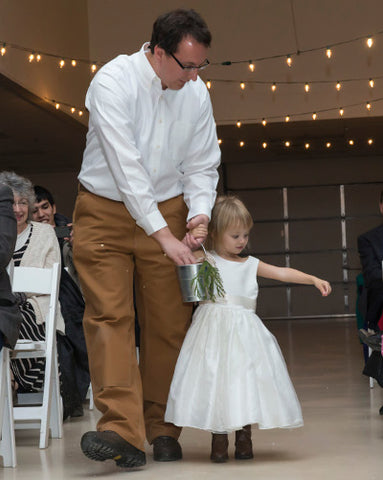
189 289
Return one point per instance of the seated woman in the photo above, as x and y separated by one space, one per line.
36 246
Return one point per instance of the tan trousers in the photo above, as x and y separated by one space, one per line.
110 252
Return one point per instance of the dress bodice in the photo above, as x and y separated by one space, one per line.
239 278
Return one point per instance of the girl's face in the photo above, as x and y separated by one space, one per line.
233 241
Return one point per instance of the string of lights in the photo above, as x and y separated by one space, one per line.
36 56
288 56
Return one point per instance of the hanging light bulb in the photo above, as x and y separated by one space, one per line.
314 115
3 50
241 143
368 106
371 83
80 113
370 141
251 66
273 87
73 63
93 67
328 52
351 142
61 63
369 42
338 86
341 112
57 106
264 122
287 144
307 87
242 85
264 145
72 109
307 146
239 124
219 141
287 118
328 144
31 57
38 57
289 60
208 84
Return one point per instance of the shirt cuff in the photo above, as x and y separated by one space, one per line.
152 223
199 210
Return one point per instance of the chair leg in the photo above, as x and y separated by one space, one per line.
56 415
7 430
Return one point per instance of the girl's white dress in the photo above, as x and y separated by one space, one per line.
231 371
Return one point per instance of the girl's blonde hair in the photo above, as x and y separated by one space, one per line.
229 211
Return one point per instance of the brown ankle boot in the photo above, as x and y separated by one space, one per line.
243 444
219 445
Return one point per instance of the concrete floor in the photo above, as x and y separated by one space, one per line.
342 438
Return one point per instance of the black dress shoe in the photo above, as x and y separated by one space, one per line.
381 411
373 340
166 449
108 445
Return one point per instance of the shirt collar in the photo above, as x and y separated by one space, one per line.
148 75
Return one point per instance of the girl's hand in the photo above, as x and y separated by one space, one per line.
323 286
195 237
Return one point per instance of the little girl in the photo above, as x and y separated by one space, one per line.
230 372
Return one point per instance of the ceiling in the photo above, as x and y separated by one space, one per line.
37 138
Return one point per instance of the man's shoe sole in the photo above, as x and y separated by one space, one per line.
96 449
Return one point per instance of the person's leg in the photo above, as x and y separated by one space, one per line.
103 234
219 447
163 319
243 444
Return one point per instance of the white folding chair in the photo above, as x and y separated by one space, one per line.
47 415
7 432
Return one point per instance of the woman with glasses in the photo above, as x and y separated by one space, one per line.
36 246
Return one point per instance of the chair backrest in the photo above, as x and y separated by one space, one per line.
39 281
34 280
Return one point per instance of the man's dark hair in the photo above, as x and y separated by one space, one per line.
170 28
43 194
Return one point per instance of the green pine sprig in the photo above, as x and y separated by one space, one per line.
208 282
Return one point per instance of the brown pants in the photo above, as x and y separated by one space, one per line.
109 250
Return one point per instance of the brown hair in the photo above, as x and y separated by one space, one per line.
229 211
170 28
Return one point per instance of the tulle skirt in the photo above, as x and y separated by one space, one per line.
231 373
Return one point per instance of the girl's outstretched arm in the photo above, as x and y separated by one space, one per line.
285 274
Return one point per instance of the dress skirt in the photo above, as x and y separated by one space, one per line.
231 373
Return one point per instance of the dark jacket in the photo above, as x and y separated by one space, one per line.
370 248
10 317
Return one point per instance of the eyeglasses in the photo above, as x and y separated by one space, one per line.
21 204
190 68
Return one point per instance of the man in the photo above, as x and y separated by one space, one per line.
370 248
75 378
10 317
149 174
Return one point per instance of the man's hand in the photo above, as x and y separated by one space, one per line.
173 248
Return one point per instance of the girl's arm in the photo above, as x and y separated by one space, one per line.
285 274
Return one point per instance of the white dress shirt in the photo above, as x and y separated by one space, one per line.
146 145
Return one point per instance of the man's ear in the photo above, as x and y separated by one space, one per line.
381 208
54 208
159 53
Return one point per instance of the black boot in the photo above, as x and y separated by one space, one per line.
219 445
243 444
